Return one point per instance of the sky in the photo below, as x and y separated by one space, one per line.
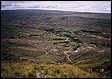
79 6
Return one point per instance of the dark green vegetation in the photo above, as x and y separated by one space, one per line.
55 38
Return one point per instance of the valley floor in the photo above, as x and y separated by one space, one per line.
54 44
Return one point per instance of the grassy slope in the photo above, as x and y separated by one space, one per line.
25 70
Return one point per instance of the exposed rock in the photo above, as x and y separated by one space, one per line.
42 74
23 58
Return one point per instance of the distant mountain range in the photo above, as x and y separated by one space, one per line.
74 12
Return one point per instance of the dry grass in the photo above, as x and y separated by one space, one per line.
27 70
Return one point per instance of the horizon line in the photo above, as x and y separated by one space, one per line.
62 11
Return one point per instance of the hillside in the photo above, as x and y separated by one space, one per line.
55 38
25 70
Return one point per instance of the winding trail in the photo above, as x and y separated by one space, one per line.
68 57
45 52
